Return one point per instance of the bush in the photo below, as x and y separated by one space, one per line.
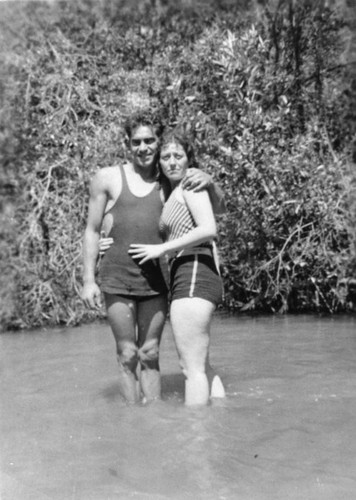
264 95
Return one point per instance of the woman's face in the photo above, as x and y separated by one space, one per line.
174 162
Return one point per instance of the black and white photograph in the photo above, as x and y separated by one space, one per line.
178 249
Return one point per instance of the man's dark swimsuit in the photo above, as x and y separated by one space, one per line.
135 220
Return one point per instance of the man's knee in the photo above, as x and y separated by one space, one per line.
127 356
149 352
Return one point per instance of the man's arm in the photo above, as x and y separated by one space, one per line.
197 180
97 202
217 198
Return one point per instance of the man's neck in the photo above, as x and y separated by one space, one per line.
148 174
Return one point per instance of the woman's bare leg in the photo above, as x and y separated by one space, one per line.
191 319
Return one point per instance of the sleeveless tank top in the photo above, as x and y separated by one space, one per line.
135 220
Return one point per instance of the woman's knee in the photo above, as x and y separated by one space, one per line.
192 358
193 371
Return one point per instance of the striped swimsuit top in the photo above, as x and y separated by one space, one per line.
176 220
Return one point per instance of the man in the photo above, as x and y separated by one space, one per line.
127 201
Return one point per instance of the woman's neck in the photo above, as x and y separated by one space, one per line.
174 184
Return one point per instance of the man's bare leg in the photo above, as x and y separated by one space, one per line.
151 316
122 316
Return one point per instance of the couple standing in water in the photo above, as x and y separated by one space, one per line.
154 207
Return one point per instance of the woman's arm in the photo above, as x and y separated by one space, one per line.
202 212
197 180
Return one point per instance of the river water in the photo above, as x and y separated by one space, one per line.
286 429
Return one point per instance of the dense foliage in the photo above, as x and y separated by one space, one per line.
266 89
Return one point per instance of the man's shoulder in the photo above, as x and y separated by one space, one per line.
105 180
107 174
112 170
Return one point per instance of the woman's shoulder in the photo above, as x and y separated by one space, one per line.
179 194
189 195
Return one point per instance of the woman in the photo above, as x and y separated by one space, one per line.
188 228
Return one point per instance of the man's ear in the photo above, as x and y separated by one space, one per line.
125 144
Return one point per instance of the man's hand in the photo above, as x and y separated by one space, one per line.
91 295
104 243
196 180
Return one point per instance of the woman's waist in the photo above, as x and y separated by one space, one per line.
205 248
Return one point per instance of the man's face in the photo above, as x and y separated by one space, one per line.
144 146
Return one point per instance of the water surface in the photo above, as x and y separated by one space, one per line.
285 431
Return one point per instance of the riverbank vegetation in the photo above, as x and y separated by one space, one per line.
267 91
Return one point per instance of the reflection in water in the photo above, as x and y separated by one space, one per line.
283 432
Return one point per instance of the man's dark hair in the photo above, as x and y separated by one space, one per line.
145 118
